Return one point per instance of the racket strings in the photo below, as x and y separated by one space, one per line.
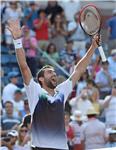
90 20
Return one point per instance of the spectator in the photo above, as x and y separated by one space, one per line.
10 88
110 109
53 9
77 34
81 102
111 23
18 102
23 139
112 138
30 45
58 33
82 83
96 66
27 121
9 143
94 131
26 109
69 130
93 93
41 25
76 124
103 80
11 12
68 56
8 120
30 14
70 6
53 53
112 63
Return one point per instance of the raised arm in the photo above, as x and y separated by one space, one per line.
16 31
83 63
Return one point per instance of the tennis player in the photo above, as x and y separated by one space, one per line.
46 98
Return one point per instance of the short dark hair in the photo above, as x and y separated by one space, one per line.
8 101
18 91
27 119
40 73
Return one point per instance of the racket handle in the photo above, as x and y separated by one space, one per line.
102 54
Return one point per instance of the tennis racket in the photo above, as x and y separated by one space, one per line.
90 21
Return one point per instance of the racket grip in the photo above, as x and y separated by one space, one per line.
102 54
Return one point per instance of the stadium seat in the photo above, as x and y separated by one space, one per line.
4 50
5 59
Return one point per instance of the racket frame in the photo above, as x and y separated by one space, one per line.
99 12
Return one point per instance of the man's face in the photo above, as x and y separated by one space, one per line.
9 108
50 78
13 140
14 80
18 96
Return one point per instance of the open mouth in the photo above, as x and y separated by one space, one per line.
54 79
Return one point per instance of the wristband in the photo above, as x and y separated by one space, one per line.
18 43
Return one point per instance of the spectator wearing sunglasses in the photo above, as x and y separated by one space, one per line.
22 142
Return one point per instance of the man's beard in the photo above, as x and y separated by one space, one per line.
50 84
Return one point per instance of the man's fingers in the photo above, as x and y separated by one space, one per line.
13 23
97 39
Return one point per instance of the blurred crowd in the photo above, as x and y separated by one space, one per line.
53 28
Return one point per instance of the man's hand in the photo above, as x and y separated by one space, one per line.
16 31
96 41
14 27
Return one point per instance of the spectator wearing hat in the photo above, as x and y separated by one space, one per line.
76 126
18 102
112 64
112 137
93 132
10 88
103 80
8 120
111 25
9 143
